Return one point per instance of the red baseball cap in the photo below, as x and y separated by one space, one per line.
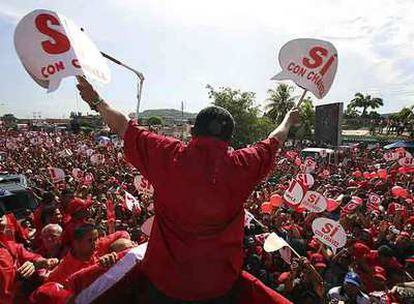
380 273
360 249
78 204
51 293
318 260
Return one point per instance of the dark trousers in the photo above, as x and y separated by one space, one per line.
157 297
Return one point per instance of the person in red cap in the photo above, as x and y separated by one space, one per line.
195 251
16 263
65 198
51 293
79 213
318 261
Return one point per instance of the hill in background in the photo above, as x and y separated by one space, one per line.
167 113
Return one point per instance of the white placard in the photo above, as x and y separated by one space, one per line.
329 232
294 194
143 185
52 47
77 174
57 175
310 63
97 159
406 161
314 202
310 165
306 179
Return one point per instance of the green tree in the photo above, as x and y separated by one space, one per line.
250 125
365 102
374 115
280 101
155 121
307 120
9 120
406 114
351 112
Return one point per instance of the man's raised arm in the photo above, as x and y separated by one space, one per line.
115 119
281 132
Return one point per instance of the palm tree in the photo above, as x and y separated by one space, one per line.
365 102
307 120
280 101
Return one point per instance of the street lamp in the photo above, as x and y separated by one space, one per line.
140 76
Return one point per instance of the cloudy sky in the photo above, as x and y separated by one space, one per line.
183 45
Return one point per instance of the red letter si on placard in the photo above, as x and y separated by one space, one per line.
60 42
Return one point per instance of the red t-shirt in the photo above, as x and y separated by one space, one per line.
195 249
68 266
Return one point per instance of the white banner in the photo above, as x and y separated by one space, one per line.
310 63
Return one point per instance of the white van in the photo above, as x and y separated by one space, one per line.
319 154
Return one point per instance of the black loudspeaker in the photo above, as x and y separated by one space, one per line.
328 121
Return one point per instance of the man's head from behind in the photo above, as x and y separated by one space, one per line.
214 122
84 241
385 254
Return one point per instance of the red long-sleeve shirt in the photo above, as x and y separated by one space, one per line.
12 256
195 248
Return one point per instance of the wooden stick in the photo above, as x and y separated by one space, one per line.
297 105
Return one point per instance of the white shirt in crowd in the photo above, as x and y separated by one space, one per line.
335 294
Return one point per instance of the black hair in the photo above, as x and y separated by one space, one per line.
47 212
2 209
68 191
215 122
48 198
385 251
82 230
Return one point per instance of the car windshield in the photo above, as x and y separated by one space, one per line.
19 201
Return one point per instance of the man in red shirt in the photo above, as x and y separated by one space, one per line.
83 254
195 250
16 263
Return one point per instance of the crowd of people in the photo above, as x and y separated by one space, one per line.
377 263
391 127
84 220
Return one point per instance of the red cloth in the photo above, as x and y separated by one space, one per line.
68 266
67 235
78 204
251 290
195 250
12 256
110 210
14 230
37 221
